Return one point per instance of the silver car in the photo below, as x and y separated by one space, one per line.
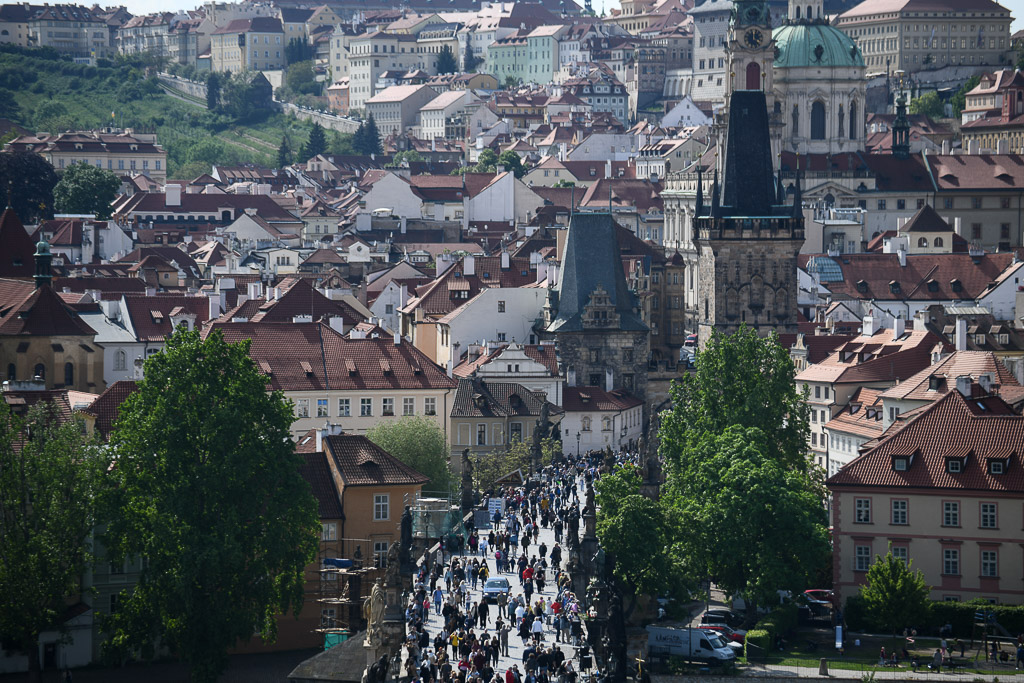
494 587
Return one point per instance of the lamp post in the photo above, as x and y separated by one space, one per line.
577 444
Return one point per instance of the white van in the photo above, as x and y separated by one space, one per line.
689 643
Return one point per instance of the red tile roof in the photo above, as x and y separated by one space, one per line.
581 399
26 310
107 406
16 260
481 398
151 315
972 430
317 473
957 364
542 353
436 299
862 416
977 171
298 297
312 356
874 359
360 462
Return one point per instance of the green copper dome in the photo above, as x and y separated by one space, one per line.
802 45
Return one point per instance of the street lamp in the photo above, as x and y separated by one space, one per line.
577 444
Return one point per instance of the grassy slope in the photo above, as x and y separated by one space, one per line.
84 98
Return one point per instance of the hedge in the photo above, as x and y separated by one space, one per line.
959 615
779 621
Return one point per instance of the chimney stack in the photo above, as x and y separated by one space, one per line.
398 339
469 265
963 385
987 383
871 325
961 335
899 327
172 195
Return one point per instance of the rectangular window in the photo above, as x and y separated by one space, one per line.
115 602
516 431
380 552
501 307
302 407
365 407
381 507
863 510
862 558
408 406
951 561
481 435
976 231
899 512
901 554
988 516
989 564
947 203
950 513
387 407
430 406
975 202
321 408
329 531
344 407
881 205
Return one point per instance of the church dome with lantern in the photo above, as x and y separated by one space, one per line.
814 44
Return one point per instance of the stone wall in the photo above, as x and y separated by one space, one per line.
184 86
575 350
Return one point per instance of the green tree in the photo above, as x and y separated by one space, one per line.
512 162
51 476
83 188
30 179
316 144
895 595
410 155
741 379
487 162
959 100
300 80
446 63
745 520
297 50
511 82
208 489
420 444
284 153
213 91
470 60
373 144
928 104
564 183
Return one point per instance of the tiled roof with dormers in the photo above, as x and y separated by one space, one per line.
874 358
480 398
921 387
973 430
296 296
317 472
443 295
151 315
312 356
582 399
107 405
31 311
360 462
861 416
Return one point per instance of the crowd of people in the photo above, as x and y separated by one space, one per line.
457 633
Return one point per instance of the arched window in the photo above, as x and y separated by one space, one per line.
841 120
39 371
12 372
922 242
818 121
753 76
120 360
69 374
796 120
810 12
853 121
606 424
798 11
938 241
586 424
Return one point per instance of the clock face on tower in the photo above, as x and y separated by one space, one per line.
753 38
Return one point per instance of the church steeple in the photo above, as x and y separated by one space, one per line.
806 12
700 192
43 276
901 130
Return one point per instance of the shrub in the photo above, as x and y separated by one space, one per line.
760 639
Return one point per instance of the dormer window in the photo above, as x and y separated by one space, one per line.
862 286
996 466
956 285
934 383
954 466
894 286
933 286
900 464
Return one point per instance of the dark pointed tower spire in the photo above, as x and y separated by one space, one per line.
798 198
700 192
780 190
901 130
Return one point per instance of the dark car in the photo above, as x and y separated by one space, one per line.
720 616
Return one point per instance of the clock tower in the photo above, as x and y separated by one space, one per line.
750 49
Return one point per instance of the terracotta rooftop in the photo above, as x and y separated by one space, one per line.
935 380
874 358
582 399
862 416
542 353
317 472
30 311
107 405
360 462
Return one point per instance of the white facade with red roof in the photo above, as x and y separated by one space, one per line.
944 491
596 419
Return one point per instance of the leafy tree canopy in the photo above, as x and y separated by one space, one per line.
208 489
300 80
51 476
408 155
745 380
748 522
512 162
928 104
85 189
895 594
31 180
446 63
420 444
959 100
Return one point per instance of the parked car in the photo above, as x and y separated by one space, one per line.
729 633
721 616
496 586
689 643
819 595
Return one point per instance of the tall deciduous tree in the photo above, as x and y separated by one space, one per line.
50 479
928 104
512 162
85 189
741 379
895 595
213 91
446 63
746 520
420 444
208 490
28 179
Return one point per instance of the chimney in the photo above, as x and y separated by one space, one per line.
172 195
609 378
570 377
214 301
871 325
398 339
1002 146
608 169
320 434
987 383
469 265
972 146
945 146
505 261
961 335
255 290
899 327
963 385
901 254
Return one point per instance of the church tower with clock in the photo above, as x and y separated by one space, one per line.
750 49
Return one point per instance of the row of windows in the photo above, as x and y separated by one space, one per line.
40 371
387 407
947 203
988 560
899 513
158 164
